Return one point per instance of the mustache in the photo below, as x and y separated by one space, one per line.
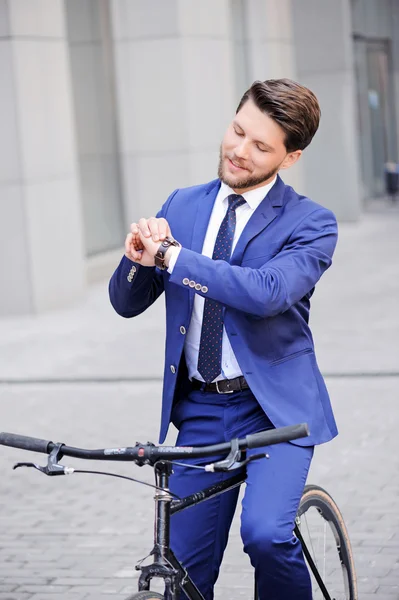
236 160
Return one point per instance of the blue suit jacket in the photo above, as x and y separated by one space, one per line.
284 249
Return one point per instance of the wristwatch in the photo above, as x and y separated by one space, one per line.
160 255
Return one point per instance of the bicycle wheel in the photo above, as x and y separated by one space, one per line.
325 536
146 596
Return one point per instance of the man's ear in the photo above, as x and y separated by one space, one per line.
291 159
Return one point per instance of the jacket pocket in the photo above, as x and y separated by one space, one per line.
278 361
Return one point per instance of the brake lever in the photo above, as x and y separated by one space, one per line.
231 466
232 458
53 467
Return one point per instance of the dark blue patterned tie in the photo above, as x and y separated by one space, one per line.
210 350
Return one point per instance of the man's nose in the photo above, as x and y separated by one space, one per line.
241 150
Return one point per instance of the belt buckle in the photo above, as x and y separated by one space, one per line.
221 392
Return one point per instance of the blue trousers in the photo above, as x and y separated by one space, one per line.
273 490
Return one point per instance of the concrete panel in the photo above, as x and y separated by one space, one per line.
94 124
100 193
203 166
15 276
40 18
44 108
205 18
331 161
135 19
9 153
4 19
149 180
322 35
85 96
271 60
395 61
210 99
82 20
373 18
268 20
151 102
294 176
55 240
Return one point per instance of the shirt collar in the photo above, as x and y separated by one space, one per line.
253 197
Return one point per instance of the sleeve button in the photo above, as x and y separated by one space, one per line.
204 289
191 283
186 281
198 286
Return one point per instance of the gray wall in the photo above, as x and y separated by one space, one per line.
100 125
41 249
175 88
324 59
93 86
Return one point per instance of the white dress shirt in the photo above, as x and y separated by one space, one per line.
230 367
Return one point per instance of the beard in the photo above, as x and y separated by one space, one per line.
246 181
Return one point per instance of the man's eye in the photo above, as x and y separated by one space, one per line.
261 149
240 133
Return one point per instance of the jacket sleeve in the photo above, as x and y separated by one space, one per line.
132 287
279 283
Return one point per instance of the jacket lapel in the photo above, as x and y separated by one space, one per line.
202 214
262 217
205 204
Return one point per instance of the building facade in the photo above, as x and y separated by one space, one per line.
106 106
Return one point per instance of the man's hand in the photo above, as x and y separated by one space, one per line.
143 241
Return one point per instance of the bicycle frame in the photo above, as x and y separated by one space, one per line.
165 565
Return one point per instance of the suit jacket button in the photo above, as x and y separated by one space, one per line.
198 286
182 330
191 283
173 369
186 281
204 289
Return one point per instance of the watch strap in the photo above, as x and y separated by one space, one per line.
159 257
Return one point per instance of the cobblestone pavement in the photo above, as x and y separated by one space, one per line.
81 536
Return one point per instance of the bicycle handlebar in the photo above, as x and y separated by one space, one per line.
149 454
24 442
276 436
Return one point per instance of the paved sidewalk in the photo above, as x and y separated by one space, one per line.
81 536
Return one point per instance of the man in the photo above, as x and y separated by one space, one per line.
239 351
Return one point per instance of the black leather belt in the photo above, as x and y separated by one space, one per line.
224 386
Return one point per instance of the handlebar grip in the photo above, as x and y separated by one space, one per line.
24 442
276 436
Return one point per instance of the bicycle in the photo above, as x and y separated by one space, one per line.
333 581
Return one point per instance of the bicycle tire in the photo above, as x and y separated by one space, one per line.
341 580
146 595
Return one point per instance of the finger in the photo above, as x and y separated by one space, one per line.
137 243
128 242
143 227
134 228
153 225
130 250
163 228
